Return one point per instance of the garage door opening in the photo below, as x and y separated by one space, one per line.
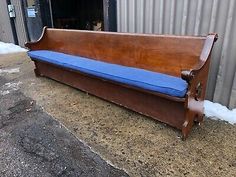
78 14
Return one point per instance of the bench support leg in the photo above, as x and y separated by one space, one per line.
36 72
187 125
199 119
194 113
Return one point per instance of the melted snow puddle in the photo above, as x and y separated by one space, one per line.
10 71
9 87
217 111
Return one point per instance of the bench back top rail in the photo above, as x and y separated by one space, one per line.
167 54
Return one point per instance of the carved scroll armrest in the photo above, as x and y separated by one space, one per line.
188 75
31 45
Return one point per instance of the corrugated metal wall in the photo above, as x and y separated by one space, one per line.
5 24
233 93
191 17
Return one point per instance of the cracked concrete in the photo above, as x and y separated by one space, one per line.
141 146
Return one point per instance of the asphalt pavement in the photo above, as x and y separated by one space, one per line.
32 143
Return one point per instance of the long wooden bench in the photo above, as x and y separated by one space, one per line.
160 76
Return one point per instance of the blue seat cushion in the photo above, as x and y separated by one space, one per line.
141 78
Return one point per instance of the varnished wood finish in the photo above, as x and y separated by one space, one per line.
165 54
147 103
183 56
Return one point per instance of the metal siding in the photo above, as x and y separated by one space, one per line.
191 17
19 22
233 92
5 24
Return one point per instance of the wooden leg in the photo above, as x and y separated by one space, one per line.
37 73
187 125
199 119
36 70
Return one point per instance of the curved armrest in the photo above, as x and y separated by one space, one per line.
31 44
188 75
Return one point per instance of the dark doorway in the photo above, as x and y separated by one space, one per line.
33 19
95 15
78 14
37 15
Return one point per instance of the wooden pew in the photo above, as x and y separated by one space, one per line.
186 57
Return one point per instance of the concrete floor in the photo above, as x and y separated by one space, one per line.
139 145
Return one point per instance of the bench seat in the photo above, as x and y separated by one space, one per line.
153 81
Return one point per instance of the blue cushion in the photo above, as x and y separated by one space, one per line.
141 78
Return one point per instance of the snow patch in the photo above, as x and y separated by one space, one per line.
9 87
217 111
10 48
10 71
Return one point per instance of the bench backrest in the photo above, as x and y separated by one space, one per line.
161 53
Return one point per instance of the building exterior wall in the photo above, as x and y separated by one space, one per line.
19 22
6 28
6 34
191 17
